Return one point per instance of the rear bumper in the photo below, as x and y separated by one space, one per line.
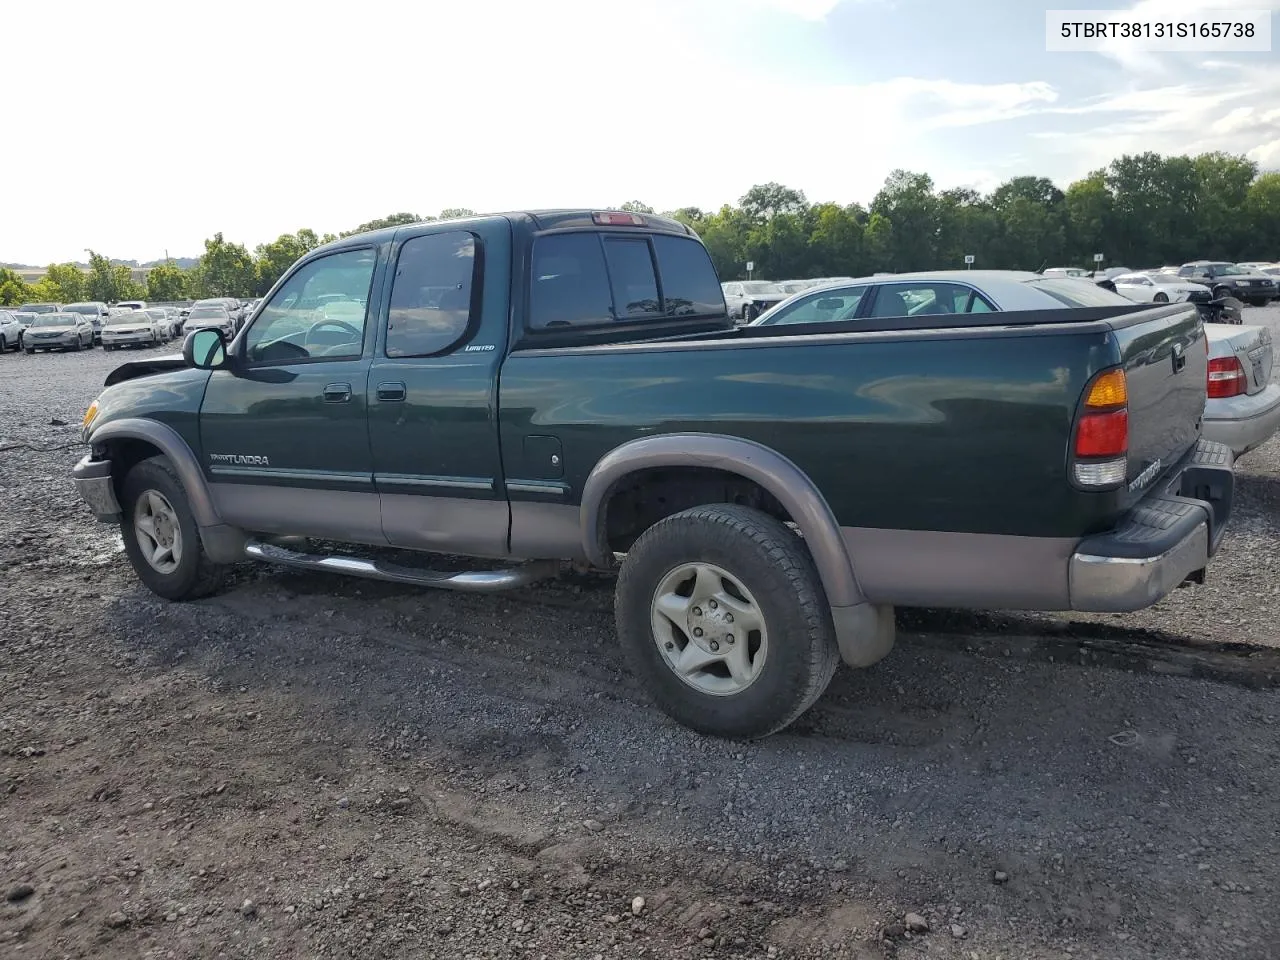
93 483
1244 422
1163 542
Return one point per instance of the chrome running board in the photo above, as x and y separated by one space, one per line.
471 581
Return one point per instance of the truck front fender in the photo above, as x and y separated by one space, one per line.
224 544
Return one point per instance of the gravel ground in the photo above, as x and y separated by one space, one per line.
308 766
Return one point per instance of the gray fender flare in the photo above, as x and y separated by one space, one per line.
864 631
223 543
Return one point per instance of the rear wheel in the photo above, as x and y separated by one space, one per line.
4 344
721 613
30 350
1260 302
160 534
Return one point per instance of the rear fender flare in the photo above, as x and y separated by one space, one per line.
748 459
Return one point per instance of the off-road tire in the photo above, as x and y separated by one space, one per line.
773 564
196 575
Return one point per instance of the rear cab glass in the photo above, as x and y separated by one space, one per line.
600 278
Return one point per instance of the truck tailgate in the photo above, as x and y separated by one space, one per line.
1165 363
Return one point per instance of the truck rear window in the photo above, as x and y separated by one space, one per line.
593 279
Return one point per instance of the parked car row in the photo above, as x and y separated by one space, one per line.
123 324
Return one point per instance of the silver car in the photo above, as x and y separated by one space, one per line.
58 331
747 299
10 332
1243 405
130 328
205 317
939 292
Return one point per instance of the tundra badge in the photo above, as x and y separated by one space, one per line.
238 458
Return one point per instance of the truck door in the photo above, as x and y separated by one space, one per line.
285 431
433 389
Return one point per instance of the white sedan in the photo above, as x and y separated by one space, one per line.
1243 405
1160 288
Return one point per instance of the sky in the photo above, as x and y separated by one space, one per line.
182 119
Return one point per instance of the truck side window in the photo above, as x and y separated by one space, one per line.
431 294
570 285
319 313
690 286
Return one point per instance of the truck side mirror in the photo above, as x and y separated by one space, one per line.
205 349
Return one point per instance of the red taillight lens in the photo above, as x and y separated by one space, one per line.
1103 434
1226 378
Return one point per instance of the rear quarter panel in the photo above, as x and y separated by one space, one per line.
962 430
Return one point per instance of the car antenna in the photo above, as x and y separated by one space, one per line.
1040 269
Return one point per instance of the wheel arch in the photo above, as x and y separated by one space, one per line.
135 435
754 462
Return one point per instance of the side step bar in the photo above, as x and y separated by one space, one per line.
472 581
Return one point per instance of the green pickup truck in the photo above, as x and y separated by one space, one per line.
544 388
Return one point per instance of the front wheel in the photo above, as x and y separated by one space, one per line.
722 614
30 350
1162 298
160 534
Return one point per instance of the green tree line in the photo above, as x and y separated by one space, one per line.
1143 210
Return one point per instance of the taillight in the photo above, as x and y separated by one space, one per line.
1226 378
1101 446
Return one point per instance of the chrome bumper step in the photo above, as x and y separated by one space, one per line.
470 581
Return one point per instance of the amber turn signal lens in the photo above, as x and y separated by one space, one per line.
1108 390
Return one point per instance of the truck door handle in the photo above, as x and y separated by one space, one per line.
391 391
337 393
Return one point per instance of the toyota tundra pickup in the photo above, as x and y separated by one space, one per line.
566 387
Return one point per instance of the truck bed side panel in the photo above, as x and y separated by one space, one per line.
963 431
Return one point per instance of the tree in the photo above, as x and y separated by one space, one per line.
456 213
835 240
62 283
13 289
392 220
967 224
271 260
1222 186
767 200
1090 214
110 282
166 281
907 201
635 206
1263 207
225 270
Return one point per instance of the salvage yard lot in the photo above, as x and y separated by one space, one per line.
308 766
